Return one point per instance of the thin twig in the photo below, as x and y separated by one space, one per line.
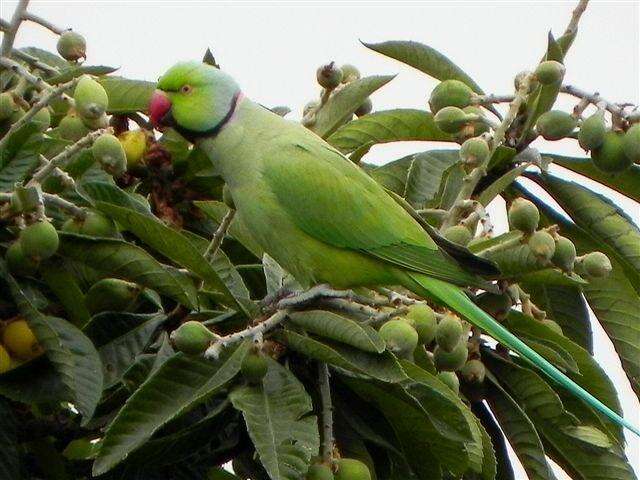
56 201
10 33
572 27
219 235
33 61
595 99
327 413
18 69
491 99
41 21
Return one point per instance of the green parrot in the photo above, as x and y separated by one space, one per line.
320 216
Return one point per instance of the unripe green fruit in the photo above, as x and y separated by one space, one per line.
631 143
473 371
319 472
192 338
349 73
458 234
365 108
497 305
91 98
400 336
592 131
72 128
556 124
7 105
352 469
108 151
450 379
542 245
474 151
610 157
111 295
451 119
254 367
39 240
449 332
134 143
96 123
18 262
312 105
597 264
94 224
479 126
450 93
424 322
227 198
329 76
552 325
451 361
565 254
17 115
42 119
523 215
72 46
550 72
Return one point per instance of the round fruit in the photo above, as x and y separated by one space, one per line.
72 128
565 254
352 469
597 264
474 151
424 321
95 123
134 143
91 98
556 124
20 340
111 295
523 215
458 234
349 73
552 325
517 81
365 108
5 360
451 119
72 46
192 338
227 198
18 262
550 72
542 245
497 305
631 143
592 131
108 151
94 224
329 76
254 367
449 332
7 105
610 156
39 240
42 119
309 107
450 379
473 371
450 93
400 336
319 472
17 115
451 361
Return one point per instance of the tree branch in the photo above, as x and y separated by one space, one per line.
18 69
219 235
327 413
10 33
41 21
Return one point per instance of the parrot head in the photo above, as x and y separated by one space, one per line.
194 98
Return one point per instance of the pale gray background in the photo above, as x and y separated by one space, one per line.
273 50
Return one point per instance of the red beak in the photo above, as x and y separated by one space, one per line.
159 106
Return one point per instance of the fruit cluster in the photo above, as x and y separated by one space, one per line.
18 343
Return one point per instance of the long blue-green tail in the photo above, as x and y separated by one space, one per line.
458 301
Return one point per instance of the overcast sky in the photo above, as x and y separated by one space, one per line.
273 50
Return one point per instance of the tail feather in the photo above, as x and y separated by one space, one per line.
458 301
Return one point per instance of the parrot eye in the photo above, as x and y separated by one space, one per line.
186 89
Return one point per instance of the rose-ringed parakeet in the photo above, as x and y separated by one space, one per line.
320 216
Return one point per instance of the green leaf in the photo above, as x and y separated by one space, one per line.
176 247
425 59
382 367
627 182
498 442
9 456
553 277
69 350
120 259
72 72
63 284
342 104
489 467
399 125
601 218
589 435
277 414
521 433
181 383
493 190
342 329
127 96
110 193
21 155
33 382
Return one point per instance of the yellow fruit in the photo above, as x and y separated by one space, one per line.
5 360
20 340
134 143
